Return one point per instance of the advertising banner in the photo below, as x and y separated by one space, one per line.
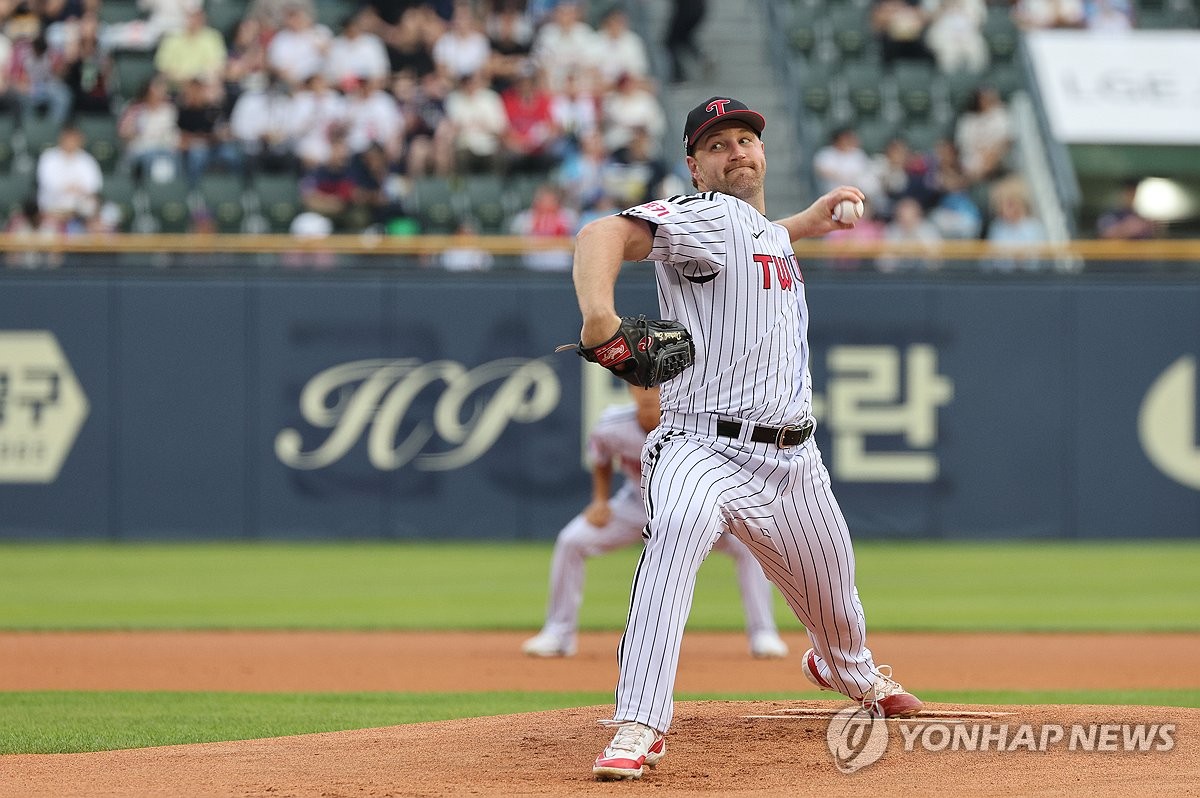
434 407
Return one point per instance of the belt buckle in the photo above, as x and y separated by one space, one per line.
779 436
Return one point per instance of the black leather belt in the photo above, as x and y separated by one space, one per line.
782 437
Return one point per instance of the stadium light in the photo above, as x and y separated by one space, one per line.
1163 200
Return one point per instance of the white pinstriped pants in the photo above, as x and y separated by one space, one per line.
778 502
579 540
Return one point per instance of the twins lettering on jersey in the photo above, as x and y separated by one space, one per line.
784 268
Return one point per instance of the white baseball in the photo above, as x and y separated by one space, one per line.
848 211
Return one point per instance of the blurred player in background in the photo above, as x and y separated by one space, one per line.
611 522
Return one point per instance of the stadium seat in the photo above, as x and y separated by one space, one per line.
815 95
803 38
874 134
133 70
486 204
121 192
864 89
117 11
38 133
333 13
849 27
433 203
1001 35
224 15
222 195
914 94
922 136
278 200
167 204
8 129
100 132
15 189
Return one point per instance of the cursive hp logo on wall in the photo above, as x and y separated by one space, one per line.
373 400
856 738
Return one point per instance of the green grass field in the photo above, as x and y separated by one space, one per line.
1148 586
911 586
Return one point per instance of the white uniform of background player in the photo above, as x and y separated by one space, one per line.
733 452
608 524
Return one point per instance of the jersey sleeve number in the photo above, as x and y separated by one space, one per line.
781 268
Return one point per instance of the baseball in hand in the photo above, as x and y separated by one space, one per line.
848 211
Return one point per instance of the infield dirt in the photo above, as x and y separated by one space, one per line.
714 748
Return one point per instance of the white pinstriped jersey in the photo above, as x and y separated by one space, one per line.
618 435
730 276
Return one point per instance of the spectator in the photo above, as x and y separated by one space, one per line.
564 44
88 68
1122 221
372 117
581 177
1040 14
195 53
330 189
262 126
984 134
633 175
463 50
955 36
910 227
149 132
511 37
428 137
317 111
631 106
686 18
895 170
900 27
463 257
603 205
1107 15
866 231
843 162
619 51
1013 227
410 41
356 52
36 79
203 132
162 17
379 188
574 109
956 215
479 124
246 59
271 15
298 50
533 141
7 98
68 184
546 217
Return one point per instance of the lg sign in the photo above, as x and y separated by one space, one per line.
1139 88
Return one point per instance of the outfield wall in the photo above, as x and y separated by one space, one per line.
425 405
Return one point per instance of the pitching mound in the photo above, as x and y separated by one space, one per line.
715 747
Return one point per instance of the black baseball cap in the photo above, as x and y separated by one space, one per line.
718 109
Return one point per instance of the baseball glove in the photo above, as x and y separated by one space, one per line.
643 352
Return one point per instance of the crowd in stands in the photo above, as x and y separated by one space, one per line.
964 185
358 108
356 112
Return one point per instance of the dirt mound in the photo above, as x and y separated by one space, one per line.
715 748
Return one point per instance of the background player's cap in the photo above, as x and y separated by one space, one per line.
718 109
